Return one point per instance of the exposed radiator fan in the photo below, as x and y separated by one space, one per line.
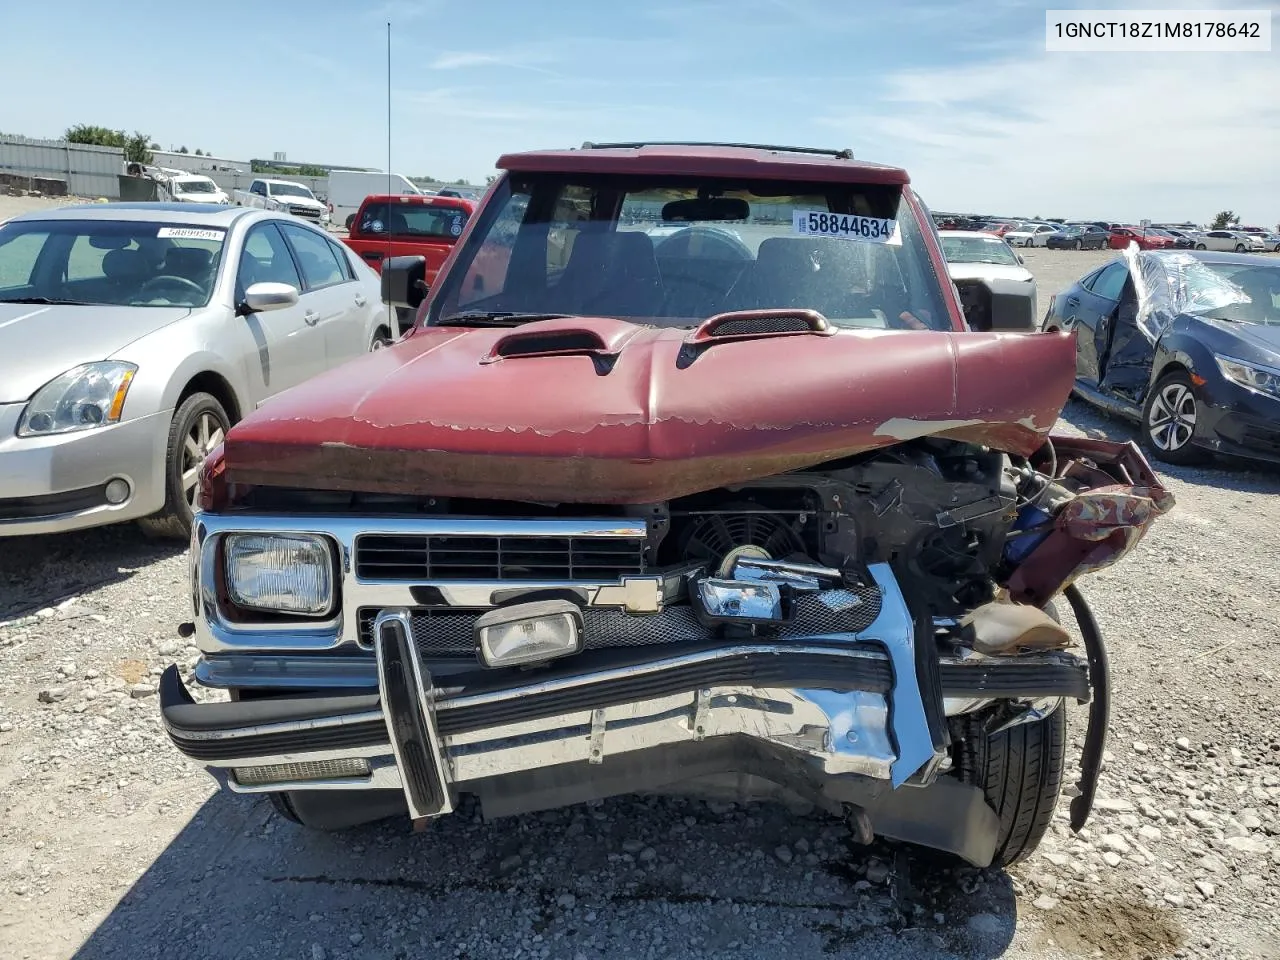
709 537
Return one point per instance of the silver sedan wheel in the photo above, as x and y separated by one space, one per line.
1171 422
205 434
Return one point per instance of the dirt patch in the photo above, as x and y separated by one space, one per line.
1122 927
133 671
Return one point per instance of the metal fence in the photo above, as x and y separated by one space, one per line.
89 171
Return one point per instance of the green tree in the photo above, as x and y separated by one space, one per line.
183 150
137 148
199 152
462 183
1224 219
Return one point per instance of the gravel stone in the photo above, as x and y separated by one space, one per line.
1111 858
784 854
1115 843
1247 845
1206 888
877 871
52 695
1045 902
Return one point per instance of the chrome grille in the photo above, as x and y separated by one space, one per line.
446 634
422 557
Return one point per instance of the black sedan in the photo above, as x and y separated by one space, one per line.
1191 350
1079 237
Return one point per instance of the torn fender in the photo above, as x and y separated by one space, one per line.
1117 497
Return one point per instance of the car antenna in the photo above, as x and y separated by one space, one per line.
395 327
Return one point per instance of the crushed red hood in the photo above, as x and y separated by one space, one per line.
604 411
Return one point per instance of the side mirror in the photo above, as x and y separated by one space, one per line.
261 297
1021 259
404 281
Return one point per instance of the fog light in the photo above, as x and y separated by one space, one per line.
341 769
528 633
740 600
117 491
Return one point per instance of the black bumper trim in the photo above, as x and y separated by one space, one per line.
194 728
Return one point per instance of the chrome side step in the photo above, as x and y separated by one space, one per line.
405 688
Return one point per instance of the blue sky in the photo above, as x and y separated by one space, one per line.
961 93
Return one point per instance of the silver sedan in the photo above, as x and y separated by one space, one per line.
133 335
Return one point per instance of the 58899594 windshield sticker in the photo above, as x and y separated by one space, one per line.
844 226
189 233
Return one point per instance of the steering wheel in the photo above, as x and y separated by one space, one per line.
734 248
171 279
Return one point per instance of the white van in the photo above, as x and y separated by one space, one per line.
348 188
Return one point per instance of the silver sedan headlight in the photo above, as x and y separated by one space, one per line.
280 573
90 395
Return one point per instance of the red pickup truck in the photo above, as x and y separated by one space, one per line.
393 226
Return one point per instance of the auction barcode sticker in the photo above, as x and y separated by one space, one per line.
189 233
843 226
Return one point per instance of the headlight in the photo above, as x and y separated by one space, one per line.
84 397
1262 379
280 573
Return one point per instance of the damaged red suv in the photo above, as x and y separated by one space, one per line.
688 477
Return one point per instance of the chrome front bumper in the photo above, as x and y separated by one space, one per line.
831 706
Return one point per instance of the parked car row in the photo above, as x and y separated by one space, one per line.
1098 234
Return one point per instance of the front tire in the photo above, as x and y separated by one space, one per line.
1200 246
1077 245
336 810
1020 772
381 339
199 424
1169 420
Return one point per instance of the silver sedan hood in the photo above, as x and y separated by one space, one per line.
988 271
39 342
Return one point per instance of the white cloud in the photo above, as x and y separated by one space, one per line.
528 59
1105 135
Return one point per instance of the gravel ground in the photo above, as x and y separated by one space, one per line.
113 845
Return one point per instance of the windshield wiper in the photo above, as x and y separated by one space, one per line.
49 301
495 318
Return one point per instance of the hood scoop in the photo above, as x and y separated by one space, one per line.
752 325
601 338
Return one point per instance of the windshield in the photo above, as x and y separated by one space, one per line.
290 190
672 251
1171 284
414 220
977 250
108 262
195 186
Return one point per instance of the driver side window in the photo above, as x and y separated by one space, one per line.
1110 282
265 259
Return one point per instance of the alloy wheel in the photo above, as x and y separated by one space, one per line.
1171 420
206 433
